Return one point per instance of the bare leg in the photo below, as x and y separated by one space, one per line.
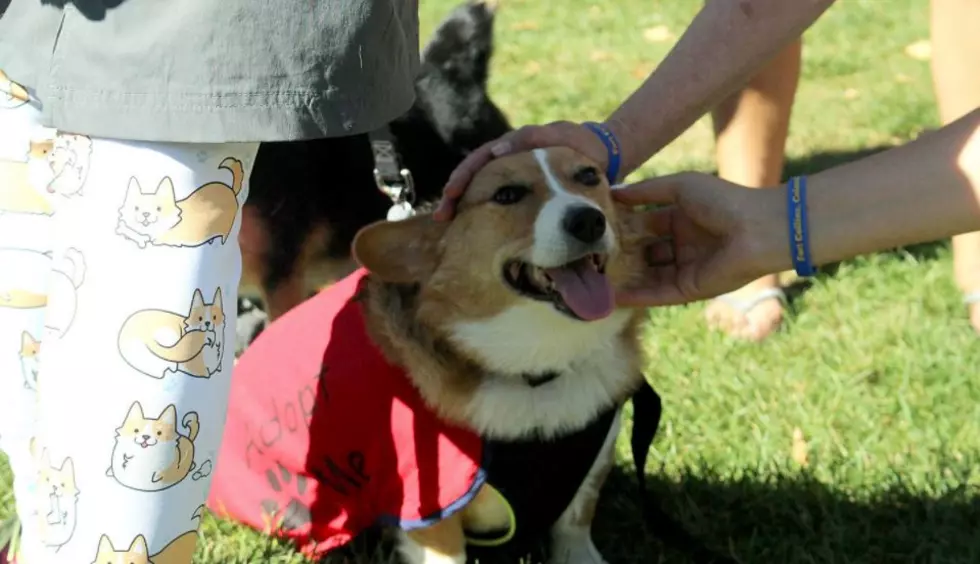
956 77
750 131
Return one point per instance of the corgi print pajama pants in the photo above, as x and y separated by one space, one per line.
119 268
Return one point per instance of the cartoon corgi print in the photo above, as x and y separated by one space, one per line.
178 551
57 501
12 95
158 342
159 218
151 454
30 359
66 278
22 181
23 278
60 166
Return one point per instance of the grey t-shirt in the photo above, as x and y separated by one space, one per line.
212 71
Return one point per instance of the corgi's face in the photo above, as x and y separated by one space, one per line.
59 482
145 432
205 316
135 554
150 211
536 230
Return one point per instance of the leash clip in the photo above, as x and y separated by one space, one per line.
392 180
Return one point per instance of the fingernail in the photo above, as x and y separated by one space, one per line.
617 186
501 148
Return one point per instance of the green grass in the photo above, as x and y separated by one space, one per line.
877 365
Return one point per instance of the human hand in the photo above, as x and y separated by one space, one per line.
713 237
555 134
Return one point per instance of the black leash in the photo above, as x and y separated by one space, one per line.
647 409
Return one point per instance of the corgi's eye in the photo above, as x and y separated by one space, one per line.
510 194
159 433
62 484
158 208
587 176
136 208
136 430
200 318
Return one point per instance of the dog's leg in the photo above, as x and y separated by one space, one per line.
442 543
571 537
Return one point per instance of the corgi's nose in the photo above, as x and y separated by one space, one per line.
146 214
585 223
146 437
207 324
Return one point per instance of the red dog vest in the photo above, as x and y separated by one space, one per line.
325 438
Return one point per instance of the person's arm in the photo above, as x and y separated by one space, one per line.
925 190
726 43
714 236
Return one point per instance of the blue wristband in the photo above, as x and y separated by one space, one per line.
799 235
612 148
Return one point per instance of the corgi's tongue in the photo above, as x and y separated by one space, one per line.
585 290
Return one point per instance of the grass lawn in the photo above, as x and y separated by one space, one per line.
875 368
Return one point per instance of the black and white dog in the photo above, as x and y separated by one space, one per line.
308 198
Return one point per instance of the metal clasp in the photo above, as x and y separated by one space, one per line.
399 193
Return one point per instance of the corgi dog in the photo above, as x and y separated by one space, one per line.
12 95
158 342
521 283
22 181
30 359
178 551
150 454
60 166
57 499
24 278
159 218
66 278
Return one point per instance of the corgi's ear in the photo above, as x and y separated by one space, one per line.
169 415
105 546
133 189
138 546
400 251
216 300
68 467
135 412
165 190
26 341
198 299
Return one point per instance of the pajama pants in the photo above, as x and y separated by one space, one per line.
119 268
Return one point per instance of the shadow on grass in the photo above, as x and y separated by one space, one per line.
773 519
794 519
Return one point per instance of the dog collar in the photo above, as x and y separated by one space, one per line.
535 380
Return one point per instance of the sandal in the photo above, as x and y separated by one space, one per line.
743 306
